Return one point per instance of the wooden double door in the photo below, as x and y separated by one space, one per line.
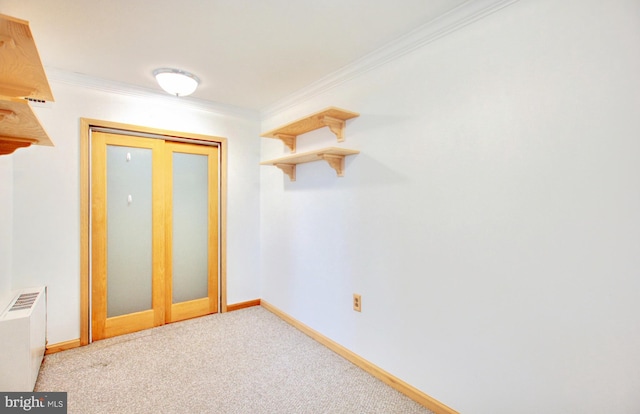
154 232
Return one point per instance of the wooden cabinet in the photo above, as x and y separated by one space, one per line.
333 118
22 78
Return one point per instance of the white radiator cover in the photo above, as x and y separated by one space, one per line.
23 327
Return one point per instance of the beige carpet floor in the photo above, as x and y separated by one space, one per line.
247 361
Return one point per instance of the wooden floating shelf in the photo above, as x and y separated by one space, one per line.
22 77
19 126
334 156
333 118
21 72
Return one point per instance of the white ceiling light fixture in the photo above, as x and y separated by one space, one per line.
176 82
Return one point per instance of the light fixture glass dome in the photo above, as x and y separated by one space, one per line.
176 82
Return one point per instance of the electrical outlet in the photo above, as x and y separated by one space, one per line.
357 302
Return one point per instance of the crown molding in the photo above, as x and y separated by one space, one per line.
435 29
124 89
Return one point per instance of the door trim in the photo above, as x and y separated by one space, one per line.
86 125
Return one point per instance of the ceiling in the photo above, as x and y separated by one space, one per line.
247 53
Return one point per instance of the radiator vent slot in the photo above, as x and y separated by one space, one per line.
24 301
35 100
40 103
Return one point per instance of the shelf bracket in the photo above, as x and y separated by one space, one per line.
289 141
335 125
289 169
9 144
335 161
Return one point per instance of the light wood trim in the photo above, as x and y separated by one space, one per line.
190 309
84 231
415 394
98 244
21 71
85 156
243 305
223 224
155 131
132 322
331 117
168 231
62 346
334 156
159 235
214 229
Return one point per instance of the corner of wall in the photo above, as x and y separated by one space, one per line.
6 223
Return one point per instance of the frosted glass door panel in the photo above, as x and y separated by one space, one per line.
190 227
129 230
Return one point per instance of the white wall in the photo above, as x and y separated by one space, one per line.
46 205
491 221
6 227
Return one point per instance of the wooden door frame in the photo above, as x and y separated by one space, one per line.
85 208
